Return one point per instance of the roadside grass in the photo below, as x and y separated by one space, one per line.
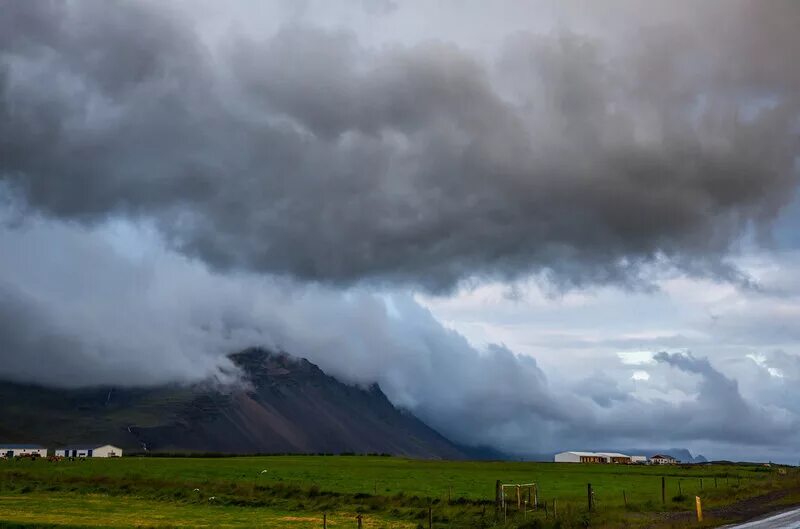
100 511
390 492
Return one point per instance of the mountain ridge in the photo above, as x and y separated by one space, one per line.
285 405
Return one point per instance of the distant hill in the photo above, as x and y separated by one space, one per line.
287 406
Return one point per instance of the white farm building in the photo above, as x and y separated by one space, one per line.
660 459
598 457
89 451
17 450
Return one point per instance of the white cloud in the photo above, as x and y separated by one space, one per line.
636 358
761 361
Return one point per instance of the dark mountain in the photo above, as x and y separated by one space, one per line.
283 405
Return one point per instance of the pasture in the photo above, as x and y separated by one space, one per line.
295 491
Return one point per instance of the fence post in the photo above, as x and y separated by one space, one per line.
498 499
430 517
358 518
589 495
536 496
555 509
663 490
519 498
701 483
624 498
680 490
699 506
324 520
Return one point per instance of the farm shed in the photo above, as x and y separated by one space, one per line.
17 450
595 457
614 457
580 457
89 451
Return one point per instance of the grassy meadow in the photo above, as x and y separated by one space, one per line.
295 491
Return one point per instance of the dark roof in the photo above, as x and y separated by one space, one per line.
85 447
663 457
14 446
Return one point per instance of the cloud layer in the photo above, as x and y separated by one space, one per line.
103 314
306 154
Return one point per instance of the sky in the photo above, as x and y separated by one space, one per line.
538 225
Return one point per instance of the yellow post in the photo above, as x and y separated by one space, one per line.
699 508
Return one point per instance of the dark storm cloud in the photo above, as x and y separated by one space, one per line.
309 155
305 153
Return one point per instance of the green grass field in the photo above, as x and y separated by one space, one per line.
390 492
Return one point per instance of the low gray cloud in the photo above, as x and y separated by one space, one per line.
713 412
93 317
306 154
719 408
117 308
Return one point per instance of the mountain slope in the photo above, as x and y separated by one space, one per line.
286 405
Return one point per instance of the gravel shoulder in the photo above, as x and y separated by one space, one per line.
756 510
